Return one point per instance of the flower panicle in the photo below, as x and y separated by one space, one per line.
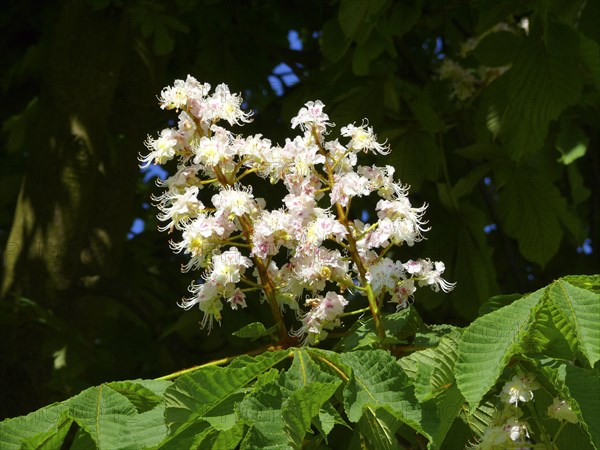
309 247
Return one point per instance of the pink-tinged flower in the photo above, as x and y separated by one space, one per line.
381 179
234 202
383 275
312 116
519 389
215 150
206 296
314 270
560 410
200 237
402 293
272 229
237 299
178 209
504 436
362 138
428 274
304 156
347 186
323 316
228 267
323 227
342 159
185 176
162 149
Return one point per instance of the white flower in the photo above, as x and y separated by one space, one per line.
215 150
347 186
560 409
179 208
234 202
237 298
225 105
200 237
504 436
324 314
161 149
384 275
322 265
519 389
206 296
312 115
363 138
229 266
429 274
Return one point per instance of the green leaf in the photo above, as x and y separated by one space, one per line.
398 326
328 417
589 51
540 89
303 372
415 156
378 381
226 439
584 387
571 143
113 422
212 392
143 394
253 331
466 184
379 427
404 16
49 424
529 208
261 410
493 337
497 302
357 17
439 414
302 406
581 308
366 51
433 369
425 114
579 192
333 42
497 49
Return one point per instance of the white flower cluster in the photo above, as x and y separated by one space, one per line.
508 429
309 247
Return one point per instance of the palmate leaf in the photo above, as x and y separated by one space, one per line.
433 369
379 427
112 421
488 343
302 406
530 208
143 394
398 327
584 387
211 393
581 309
35 427
304 373
540 88
378 381
571 310
261 411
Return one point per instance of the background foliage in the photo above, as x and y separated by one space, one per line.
510 172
